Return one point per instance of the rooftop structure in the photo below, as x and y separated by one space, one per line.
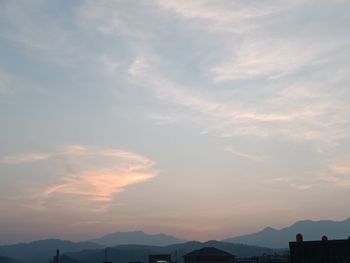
161 258
209 255
106 257
323 251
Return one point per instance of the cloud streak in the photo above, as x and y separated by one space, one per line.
338 174
8 83
99 185
250 157
86 174
229 16
24 158
277 115
291 182
270 58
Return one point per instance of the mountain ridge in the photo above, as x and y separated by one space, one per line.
40 251
8 260
129 253
138 238
126 244
311 230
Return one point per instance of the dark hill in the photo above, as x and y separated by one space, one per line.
311 230
8 260
136 238
42 251
127 253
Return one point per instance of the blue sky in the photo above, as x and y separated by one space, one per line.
167 116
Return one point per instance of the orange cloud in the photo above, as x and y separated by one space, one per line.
83 174
97 174
338 175
98 185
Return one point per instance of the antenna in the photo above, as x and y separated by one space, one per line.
106 257
57 255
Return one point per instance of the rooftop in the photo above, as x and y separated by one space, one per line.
208 251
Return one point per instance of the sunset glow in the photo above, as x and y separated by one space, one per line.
197 118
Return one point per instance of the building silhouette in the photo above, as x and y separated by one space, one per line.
56 259
106 257
323 251
160 258
209 255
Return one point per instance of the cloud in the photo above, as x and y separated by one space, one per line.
40 28
341 168
24 158
250 157
98 185
109 64
338 174
291 182
8 83
274 114
176 93
270 57
231 16
84 175
116 18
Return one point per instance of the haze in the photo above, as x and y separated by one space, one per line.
200 119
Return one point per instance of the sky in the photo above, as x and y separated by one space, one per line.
204 119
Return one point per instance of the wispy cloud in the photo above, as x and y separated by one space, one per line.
40 28
24 158
341 168
99 185
115 18
109 64
178 94
267 57
338 174
8 83
232 16
277 115
89 174
247 156
291 182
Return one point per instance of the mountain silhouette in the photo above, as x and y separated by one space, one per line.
128 253
8 260
311 230
87 252
136 238
66 259
136 246
43 251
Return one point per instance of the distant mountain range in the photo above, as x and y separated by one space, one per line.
136 246
85 252
128 253
43 251
137 238
311 230
7 260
